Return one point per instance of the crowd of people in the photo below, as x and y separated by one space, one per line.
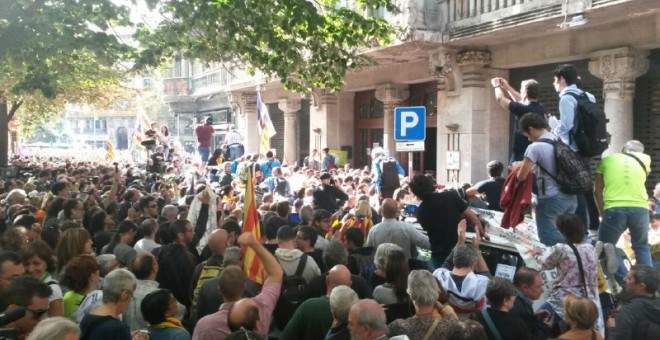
95 250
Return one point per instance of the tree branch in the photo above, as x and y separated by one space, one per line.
28 14
14 107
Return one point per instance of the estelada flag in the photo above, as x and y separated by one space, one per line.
252 265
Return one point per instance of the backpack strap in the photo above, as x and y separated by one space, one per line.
638 161
301 265
431 329
491 325
551 142
575 116
582 276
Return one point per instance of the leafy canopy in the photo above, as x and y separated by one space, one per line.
304 43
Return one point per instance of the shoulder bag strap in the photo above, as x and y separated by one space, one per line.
490 324
301 265
582 276
638 161
430 331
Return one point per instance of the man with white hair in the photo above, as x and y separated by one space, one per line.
55 328
341 300
312 319
169 213
234 142
367 321
621 197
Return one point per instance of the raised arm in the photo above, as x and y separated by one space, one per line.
271 265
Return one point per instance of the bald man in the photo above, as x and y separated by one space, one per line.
367 321
313 318
390 230
251 313
211 267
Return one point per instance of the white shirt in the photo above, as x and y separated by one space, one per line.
146 245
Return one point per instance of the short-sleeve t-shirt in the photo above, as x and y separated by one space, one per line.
96 327
492 187
543 154
520 142
624 180
439 214
204 133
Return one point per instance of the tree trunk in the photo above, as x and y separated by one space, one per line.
4 133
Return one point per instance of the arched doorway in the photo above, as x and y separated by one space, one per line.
122 138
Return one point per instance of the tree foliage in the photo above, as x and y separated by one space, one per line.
304 43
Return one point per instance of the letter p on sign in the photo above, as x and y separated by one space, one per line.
410 123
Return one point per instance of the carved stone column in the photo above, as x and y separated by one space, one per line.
290 107
247 107
619 68
392 95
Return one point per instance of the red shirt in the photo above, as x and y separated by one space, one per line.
204 133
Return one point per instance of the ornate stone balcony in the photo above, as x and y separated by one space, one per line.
473 18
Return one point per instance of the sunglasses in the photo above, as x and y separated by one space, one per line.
37 313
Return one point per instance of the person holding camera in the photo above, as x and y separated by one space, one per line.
327 195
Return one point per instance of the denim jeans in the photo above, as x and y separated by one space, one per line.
614 223
204 153
235 151
547 211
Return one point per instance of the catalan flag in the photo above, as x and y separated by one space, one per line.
266 128
252 265
111 150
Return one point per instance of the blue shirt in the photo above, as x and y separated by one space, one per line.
375 167
268 166
567 106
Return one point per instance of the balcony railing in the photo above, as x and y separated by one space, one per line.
177 87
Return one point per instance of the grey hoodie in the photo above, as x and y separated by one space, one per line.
289 259
638 319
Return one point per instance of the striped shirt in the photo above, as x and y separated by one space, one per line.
233 137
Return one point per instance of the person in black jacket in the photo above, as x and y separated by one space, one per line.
501 295
529 287
639 316
176 264
327 194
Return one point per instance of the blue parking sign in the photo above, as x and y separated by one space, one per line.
410 123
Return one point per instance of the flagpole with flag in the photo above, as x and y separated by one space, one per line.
111 150
266 128
252 265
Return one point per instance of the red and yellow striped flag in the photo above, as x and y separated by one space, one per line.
111 150
252 265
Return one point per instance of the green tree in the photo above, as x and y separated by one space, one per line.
58 51
53 52
305 44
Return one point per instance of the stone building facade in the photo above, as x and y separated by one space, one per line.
444 59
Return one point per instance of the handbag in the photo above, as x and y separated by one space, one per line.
579 262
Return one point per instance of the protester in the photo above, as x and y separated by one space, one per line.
581 315
80 276
159 309
497 320
39 263
55 328
341 300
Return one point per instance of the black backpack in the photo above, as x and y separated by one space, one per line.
589 127
572 175
292 295
389 175
280 186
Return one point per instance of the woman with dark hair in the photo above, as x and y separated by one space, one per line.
501 294
393 291
122 244
39 263
72 210
159 309
575 262
51 231
215 160
80 276
102 228
164 138
439 214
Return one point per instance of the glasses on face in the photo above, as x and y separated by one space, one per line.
153 206
37 314
131 293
